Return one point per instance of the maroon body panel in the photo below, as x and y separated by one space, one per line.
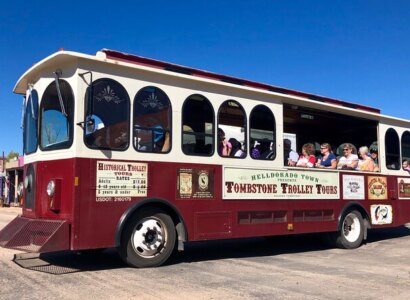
87 223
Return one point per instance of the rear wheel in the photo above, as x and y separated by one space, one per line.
351 232
148 239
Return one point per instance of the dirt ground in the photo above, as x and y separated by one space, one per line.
300 267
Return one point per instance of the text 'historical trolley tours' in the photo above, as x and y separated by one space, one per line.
119 181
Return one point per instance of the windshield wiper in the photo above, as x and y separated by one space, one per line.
57 75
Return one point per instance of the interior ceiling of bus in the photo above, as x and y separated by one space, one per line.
320 126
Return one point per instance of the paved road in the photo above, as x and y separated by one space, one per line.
280 268
7 214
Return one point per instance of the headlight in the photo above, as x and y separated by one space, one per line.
51 187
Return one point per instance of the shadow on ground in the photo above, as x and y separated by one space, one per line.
69 261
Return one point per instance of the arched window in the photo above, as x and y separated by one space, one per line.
231 130
262 133
405 146
30 123
152 121
107 115
392 146
56 117
197 126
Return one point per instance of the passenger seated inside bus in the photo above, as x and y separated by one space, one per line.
224 146
290 156
262 149
365 163
307 159
266 149
405 165
327 159
374 155
348 161
255 151
153 139
236 148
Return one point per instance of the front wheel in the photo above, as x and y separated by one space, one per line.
148 239
351 232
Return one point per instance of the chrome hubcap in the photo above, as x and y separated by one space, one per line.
149 237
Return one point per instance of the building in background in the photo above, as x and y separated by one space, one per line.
2 180
11 180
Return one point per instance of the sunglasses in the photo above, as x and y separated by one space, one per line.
346 149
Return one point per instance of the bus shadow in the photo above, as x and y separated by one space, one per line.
66 262
272 246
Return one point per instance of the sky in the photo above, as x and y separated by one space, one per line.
357 51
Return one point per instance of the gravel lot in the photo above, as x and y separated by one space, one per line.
301 267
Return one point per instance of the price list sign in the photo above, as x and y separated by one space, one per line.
121 179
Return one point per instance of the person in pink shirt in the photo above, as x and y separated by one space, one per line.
307 159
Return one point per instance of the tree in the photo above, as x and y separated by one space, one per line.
11 155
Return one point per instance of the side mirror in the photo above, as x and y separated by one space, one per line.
89 125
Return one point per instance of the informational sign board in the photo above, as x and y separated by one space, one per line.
195 183
241 183
353 187
404 188
121 179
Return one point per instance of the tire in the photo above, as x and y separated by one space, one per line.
148 239
351 232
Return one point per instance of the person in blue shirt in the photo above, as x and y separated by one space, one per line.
327 158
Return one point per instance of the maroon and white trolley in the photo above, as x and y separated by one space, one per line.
128 152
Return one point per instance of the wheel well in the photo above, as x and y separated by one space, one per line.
158 204
361 210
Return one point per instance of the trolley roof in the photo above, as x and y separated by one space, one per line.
63 58
121 56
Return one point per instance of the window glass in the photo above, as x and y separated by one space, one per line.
392 146
152 121
107 115
405 150
231 130
30 123
197 126
262 133
56 119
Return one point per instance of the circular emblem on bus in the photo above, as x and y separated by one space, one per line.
203 181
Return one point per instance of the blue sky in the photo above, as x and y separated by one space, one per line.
356 51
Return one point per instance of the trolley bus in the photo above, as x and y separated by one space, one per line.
127 152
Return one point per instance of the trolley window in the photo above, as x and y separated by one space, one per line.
56 117
405 146
152 121
392 146
197 126
30 123
231 130
107 115
262 133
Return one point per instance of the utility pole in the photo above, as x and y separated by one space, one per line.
2 180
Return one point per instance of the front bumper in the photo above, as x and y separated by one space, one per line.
36 235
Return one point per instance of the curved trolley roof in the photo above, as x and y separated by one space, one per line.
120 58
